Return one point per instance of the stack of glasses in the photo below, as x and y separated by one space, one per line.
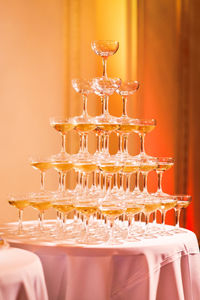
108 209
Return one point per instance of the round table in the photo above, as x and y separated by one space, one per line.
21 275
162 268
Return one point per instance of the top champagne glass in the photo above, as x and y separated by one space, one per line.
105 49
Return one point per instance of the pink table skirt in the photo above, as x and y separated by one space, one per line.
21 276
164 268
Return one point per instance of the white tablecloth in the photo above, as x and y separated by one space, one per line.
21 276
164 268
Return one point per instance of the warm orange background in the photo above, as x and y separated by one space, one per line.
44 44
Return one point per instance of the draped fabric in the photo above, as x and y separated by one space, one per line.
169 67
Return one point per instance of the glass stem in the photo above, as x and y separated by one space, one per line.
137 182
63 149
41 219
120 143
126 143
104 61
160 174
124 113
106 141
163 215
144 174
142 136
121 181
85 149
42 176
109 182
98 143
106 112
81 143
128 182
20 220
85 113
102 105
115 181
177 217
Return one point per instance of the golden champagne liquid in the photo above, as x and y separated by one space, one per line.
41 205
42 165
110 168
63 208
144 128
130 211
130 168
150 207
168 205
163 167
62 166
147 168
87 210
85 167
107 127
112 212
63 127
85 127
127 128
182 204
20 204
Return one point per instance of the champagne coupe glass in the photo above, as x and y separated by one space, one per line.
83 124
84 167
146 166
167 203
63 126
87 206
126 89
41 164
151 204
127 125
105 49
62 167
41 202
83 87
63 202
105 87
144 126
164 163
111 205
20 201
132 208
183 201
129 167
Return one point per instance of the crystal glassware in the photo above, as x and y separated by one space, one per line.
62 167
41 202
126 89
144 126
105 48
63 126
20 201
182 201
163 164
41 164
